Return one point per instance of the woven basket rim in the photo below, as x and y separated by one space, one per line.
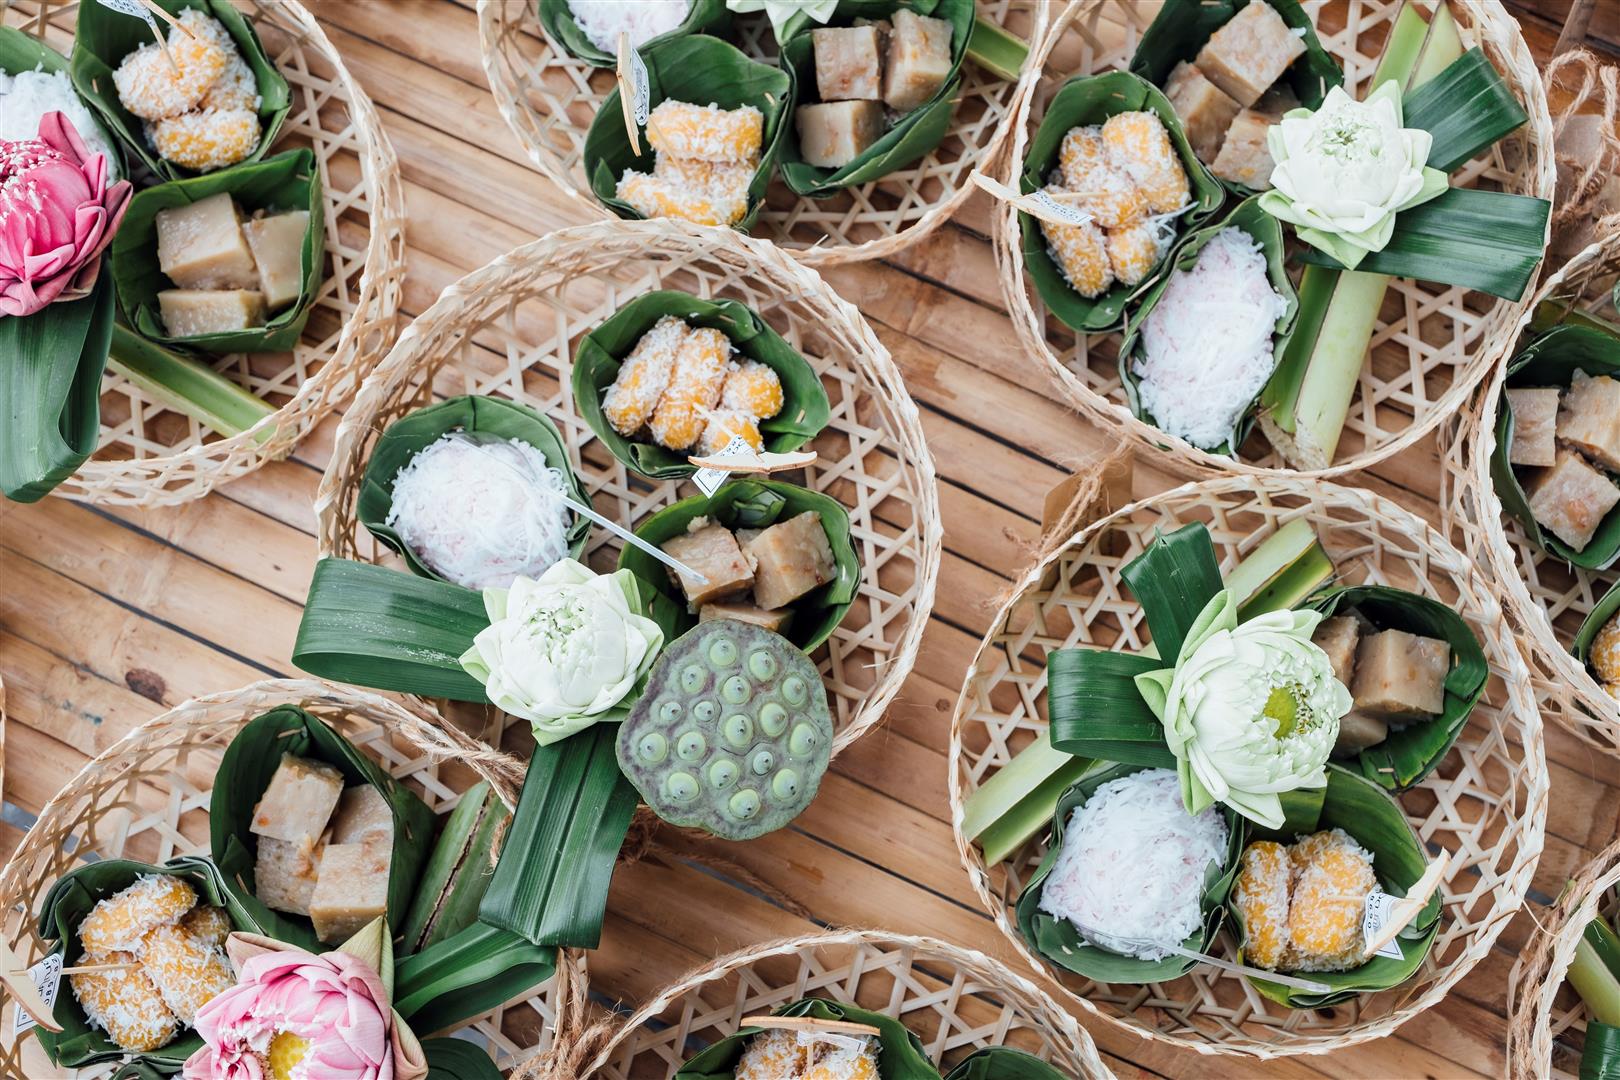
1173 452
1499 651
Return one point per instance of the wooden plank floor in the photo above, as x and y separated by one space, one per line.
108 616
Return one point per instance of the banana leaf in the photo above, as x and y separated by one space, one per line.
458 872
1466 108
288 181
557 20
805 408
1552 360
1368 813
69 900
458 1059
1004 1063
700 70
50 390
1060 942
756 504
1600 1056
1180 30
408 436
900 1053
1091 99
1596 619
104 37
479 969
1264 230
372 626
20 52
551 881
911 137
244 773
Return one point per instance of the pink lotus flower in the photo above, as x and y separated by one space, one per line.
57 215
334 1007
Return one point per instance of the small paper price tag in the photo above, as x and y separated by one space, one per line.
1380 908
1038 204
709 480
635 91
47 979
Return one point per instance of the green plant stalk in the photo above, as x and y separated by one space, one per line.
1597 985
188 387
1288 566
996 50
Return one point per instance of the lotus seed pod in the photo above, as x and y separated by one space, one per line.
732 734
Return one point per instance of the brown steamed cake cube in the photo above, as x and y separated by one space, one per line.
712 551
1589 419
364 817
201 246
190 312
919 59
1535 425
834 134
1400 676
849 63
1249 53
773 621
285 872
1571 499
299 800
790 559
1205 110
277 243
352 891
1245 157
1338 637
1357 731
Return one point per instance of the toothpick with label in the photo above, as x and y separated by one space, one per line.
19 983
635 93
1401 913
144 10
1047 206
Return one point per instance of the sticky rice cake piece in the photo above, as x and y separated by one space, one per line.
1400 676
352 891
1249 53
713 552
790 559
1205 110
1338 638
1245 157
849 62
1571 499
193 312
364 817
201 246
1357 731
919 59
1535 425
833 134
1589 419
773 621
285 871
299 800
277 243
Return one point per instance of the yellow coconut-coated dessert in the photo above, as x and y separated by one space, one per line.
207 924
152 88
121 922
123 1002
643 376
1081 253
188 972
1138 143
1604 656
1302 905
727 424
1260 897
808 1055
1082 149
1133 251
701 366
204 141
706 132
754 388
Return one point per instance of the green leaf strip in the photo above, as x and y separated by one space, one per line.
1096 710
1173 580
1466 108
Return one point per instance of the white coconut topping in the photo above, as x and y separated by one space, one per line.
480 512
25 99
1131 870
1206 345
602 21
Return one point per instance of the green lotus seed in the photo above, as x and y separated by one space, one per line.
693 678
739 731
763 762
736 690
744 804
723 773
794 690
705 711
785 784
670 712
772 719
723 652
693 746
762 665
682 787
652 748
803 740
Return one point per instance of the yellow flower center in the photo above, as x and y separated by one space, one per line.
287 1052
1282 705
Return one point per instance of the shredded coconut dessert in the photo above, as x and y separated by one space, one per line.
602 21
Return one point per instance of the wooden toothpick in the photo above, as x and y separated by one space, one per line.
627 102
811 1024
764 462
1404 910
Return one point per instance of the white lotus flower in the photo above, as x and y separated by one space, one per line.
1250 711
781 12
564 651
1343 172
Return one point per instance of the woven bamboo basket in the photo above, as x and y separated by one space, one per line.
549 99
1545 597
146 797
1485 804
149 455
954 999
1432 345
1546 1019
509 330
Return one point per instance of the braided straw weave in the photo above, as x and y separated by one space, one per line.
1546 1020
1546 598
509 330
954 999
1432 344
146 797
1485 804
549 99
149 455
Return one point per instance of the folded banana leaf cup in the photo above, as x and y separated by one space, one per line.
699 70
288 181
757 504
1003 1063
1061 942
598 356
900 1055
104 37
1374 820
408 436
911 136
557 20
1086 100
1264 230
70 899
